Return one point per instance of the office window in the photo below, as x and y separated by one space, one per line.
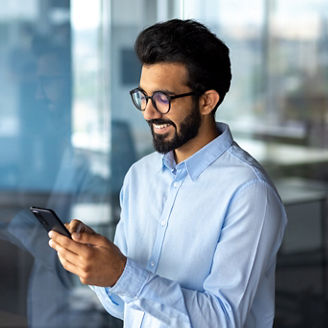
56 141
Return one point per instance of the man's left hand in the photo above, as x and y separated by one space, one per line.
92 257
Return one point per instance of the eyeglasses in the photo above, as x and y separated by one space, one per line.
160 100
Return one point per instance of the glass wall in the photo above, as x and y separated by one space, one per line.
57 152
68 134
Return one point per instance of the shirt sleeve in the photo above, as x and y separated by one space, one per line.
245 254
110 301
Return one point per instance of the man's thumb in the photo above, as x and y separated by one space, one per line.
86 238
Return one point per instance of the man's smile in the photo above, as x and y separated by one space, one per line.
161 128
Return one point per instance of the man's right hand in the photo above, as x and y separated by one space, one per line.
92 257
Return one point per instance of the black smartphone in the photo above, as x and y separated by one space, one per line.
50 220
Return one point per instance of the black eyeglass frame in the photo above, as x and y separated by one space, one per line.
169 97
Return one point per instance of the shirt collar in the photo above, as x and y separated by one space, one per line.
199 161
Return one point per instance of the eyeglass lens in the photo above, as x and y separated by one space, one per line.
159 99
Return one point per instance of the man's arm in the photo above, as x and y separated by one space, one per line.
249 240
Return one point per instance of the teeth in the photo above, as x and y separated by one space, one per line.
161 126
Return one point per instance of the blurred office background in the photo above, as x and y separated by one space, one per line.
68 133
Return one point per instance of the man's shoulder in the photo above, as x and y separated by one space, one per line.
245 167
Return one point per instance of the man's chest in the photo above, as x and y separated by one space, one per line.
175 228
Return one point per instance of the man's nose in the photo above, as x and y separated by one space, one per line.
150 112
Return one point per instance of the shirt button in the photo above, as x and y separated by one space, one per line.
163 222
175 184
152 264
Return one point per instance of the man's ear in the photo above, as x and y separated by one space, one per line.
208 101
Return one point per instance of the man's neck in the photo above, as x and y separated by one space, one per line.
207 132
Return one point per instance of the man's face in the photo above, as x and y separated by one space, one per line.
180 125
51 87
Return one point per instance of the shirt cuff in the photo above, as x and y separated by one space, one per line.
131 282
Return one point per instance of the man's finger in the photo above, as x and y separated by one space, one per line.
65 253
79 227
75 226
67 243
89 239
69 266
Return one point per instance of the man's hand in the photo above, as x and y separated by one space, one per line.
77 226
92 257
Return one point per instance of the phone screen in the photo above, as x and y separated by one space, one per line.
50 220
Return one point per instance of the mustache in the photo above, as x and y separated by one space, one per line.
160 121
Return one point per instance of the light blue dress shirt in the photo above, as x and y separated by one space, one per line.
201 239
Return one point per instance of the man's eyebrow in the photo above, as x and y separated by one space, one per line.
141 89
169 92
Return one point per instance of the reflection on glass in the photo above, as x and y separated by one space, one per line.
41 166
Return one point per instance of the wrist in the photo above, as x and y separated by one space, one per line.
120 268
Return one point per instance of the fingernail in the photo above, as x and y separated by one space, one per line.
76 235
50 243
79 228
50 234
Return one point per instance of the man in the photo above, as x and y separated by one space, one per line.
201 224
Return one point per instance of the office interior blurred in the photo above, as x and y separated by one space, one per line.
68 134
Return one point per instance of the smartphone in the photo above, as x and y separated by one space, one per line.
50 220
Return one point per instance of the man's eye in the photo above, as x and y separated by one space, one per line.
161 97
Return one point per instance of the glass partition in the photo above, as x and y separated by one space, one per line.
56 138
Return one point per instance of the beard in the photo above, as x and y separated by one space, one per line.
188 130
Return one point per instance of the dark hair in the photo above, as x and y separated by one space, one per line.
186 41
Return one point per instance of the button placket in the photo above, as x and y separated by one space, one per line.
162 226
